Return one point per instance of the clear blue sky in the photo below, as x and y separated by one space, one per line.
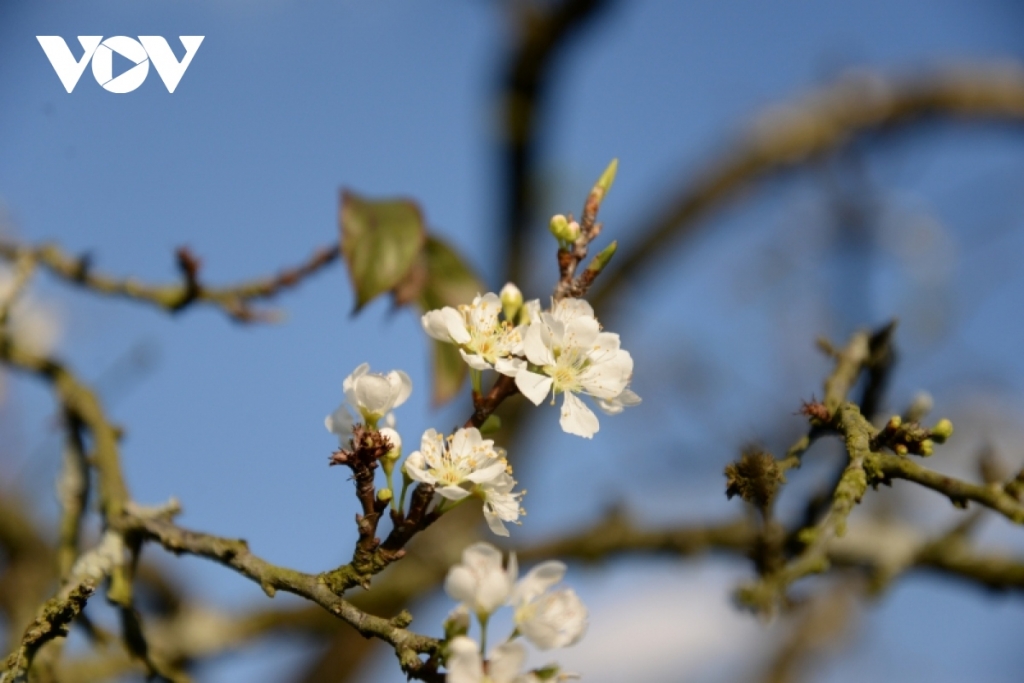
286 102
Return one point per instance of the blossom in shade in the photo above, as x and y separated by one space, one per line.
465 664
547 618
369 396
569 354
484 341
480 582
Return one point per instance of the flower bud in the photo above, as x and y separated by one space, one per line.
457 623
942 430
558 225
384 495
511 301
894 423
927 447
572 231
396 443
901 449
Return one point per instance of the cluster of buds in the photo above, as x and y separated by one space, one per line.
904 438
545 617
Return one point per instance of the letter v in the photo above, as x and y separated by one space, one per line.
63 62
163 59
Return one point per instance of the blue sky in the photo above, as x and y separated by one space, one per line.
287 102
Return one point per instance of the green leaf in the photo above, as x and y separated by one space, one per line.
380 241
450 372
448 281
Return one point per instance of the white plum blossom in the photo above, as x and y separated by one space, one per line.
501 504
484 341
454 465
465 665
548 619
479 582
369 396
570 355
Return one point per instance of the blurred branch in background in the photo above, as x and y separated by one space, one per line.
234 300
782 140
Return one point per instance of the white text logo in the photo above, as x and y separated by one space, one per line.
140 52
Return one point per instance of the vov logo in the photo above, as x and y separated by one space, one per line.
140 52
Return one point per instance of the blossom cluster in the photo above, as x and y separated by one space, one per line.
560 350
544 617
458 466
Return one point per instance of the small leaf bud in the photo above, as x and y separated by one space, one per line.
942 430
602 259
511 301
604 183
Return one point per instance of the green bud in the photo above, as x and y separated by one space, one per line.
602 259
384 495
511 301
457 623
894 423
604 183
900 449
942 430
927 447
559 225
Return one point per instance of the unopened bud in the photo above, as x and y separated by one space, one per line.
457 623
602 259
901 449
927 447
384 495
396 443
894 423
572 231
604 183
942 430
511 301
558 225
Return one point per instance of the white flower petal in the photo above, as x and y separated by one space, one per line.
474 361
577 418
535 347
608 379
510 367
464 664
401 387
456 325
452 492
534 386
340 422
373 395
537 581
506 662
581 332
494 523
435 325
460 584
